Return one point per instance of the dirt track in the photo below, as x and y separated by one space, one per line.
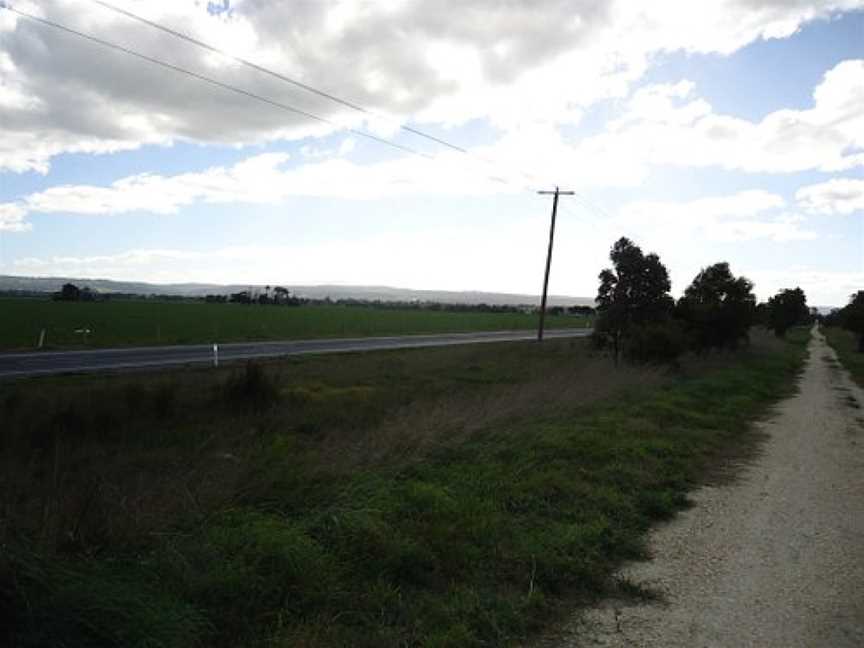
775 559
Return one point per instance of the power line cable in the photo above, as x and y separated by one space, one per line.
227 86
206 79
579 218
282 77
381 140
278 75
591 205
305 86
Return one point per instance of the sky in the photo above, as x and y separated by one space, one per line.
719 130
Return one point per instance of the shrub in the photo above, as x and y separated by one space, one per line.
252 389
656 342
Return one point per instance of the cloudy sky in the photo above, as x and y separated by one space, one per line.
706 131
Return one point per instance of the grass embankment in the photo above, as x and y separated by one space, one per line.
126 323
846 346
450 497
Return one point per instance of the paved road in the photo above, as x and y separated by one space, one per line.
21 365
775 560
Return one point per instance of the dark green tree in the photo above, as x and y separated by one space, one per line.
762 316
786 309
852 317
68 292
717 308
632 294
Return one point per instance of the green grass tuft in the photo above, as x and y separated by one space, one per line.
846 345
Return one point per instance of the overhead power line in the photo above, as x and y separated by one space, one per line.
593 207
305 86
278 75
248 93
210 80
276 104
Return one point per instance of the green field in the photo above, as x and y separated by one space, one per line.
846 346
130 323
456 497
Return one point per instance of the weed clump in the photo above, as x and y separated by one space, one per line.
244 564
253 389
91 603
656 343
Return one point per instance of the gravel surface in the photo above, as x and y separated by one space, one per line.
774 559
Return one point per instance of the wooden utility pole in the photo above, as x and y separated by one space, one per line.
555 195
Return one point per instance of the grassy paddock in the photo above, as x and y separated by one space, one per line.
449 497
846 346
124 323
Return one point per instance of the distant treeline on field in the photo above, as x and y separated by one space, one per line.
280 296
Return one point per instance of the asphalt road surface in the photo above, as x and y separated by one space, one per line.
43 363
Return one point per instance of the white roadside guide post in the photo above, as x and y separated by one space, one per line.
42 338
215 355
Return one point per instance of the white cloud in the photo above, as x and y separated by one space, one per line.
253 180
689 235
510 254
744 216
665 125
823 288
447 62
836 196
12 218
264 179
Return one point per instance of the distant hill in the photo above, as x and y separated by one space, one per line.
371 293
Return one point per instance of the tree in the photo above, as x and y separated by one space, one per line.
282 295
852 317
585 311
717 308
242 297
87 294
68 292
633 293
786 309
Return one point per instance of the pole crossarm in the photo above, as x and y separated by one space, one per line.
557 192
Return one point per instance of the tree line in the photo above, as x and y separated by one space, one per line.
71 292
850 317
277 296
638 319
281 296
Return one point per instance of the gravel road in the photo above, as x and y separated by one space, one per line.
776 559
